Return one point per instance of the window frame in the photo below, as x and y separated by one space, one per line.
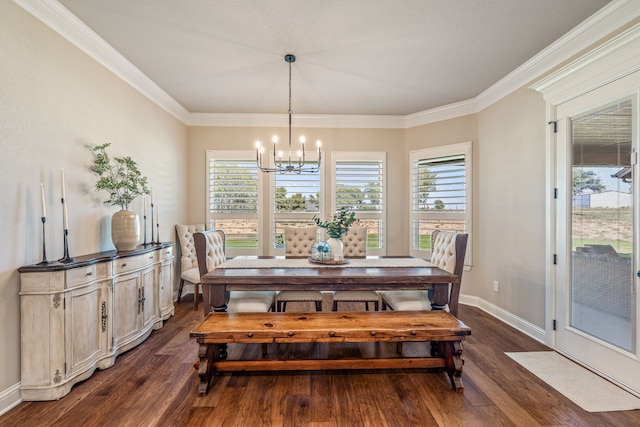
465 149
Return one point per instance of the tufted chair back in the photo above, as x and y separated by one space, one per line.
210 250
447 252
355 242
298 241
187 249
443 250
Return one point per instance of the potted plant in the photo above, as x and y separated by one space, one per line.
120 177
336 227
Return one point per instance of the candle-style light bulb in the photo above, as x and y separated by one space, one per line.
318 144
62 192
258 144
275 139
302 139
43 209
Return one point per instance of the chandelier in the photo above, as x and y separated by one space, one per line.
291 163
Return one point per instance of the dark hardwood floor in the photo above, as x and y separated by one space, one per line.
155 384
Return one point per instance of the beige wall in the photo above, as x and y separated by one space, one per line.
510 219
54 100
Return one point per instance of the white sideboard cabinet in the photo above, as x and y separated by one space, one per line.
79 316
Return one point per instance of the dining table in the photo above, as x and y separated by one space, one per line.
279 273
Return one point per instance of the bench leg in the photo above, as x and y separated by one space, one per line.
207 354
452 352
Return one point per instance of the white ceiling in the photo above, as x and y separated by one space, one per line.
364 57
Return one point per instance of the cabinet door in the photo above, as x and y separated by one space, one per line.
84 333
149 297
166 289
126 308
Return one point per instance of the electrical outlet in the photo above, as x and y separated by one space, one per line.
496 288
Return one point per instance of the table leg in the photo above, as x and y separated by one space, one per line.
215 298
440 296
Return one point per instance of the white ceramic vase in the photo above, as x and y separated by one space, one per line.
125 230
336 248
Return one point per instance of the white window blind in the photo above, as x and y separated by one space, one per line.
233 202
359 185
440 194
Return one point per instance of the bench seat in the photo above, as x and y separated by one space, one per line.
219 329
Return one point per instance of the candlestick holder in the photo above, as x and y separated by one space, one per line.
152 239
44 246
145 230
66 258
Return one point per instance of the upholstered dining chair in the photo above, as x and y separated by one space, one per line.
298 242
188 261
210 251
355 246
447 253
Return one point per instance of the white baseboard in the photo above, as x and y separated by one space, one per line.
524 326
9 398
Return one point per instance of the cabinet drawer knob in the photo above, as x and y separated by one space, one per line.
89 274
124 264
151 257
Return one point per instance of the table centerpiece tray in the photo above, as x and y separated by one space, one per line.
329 261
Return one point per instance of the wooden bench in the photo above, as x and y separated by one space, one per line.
219 329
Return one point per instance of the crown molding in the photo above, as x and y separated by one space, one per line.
611 61
615 15
450 111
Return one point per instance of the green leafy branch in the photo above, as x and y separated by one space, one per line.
119 177
339 223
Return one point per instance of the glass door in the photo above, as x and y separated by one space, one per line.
596 282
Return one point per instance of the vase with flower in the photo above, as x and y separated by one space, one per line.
336 227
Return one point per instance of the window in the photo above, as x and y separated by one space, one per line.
440 194
233 202
296 199
359 184
252 207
